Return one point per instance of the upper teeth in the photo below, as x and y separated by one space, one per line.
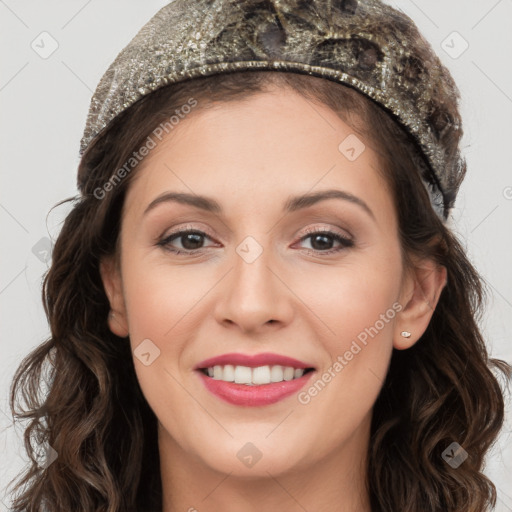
254 376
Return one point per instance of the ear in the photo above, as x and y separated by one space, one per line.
111 277
419 296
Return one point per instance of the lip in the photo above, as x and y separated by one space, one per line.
260 395
253 396
252 361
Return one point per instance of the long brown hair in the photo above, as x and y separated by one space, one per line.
94 415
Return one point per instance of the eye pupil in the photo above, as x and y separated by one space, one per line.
325 244
196 239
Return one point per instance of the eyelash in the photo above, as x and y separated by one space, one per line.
344 241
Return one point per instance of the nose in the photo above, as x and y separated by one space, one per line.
254 296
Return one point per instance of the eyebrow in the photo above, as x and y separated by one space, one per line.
292 204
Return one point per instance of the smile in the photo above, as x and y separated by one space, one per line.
253 380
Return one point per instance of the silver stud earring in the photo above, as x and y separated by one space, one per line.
406 334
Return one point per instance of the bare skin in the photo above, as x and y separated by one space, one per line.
293 300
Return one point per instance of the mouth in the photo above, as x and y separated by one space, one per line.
253 380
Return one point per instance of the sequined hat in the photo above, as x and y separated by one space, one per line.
364 44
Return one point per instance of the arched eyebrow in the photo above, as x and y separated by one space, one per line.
306 200
291 205
202 202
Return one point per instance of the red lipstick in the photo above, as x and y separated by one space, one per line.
265 359
253 395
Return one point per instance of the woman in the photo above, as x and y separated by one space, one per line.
256 301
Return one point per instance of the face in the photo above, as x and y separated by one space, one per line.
318 279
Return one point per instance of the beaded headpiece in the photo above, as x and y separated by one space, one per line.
363 44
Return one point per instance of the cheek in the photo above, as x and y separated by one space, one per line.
160 298
351 297
161 303
355 307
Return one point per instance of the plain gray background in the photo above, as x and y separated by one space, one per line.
44 100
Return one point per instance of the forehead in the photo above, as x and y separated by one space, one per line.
276 143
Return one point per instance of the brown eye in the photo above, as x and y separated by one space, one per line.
322 241
190 241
